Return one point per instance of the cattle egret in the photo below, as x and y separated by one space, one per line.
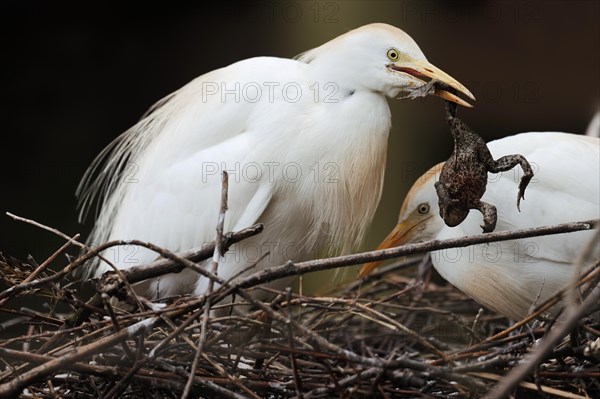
508 276
304 142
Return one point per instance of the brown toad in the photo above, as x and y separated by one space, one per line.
463 179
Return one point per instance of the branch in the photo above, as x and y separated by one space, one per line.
168 265
140 273
45 264
16 385
213 269
294 269
571 318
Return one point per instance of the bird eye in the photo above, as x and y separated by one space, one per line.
393 54
423 208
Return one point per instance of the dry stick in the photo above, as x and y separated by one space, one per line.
153 269
398 327
21 381
571 299
109 371
207 381
227 290
321 342
550 302
117 327
167 320
172 264
297 380
213 269
138 362
154 352
81 245
113 282
164 266
544 389
45 264
21 287
474 326
84 368
230 379
570 320
385 320
292 269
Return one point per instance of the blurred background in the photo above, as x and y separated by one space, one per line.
75 79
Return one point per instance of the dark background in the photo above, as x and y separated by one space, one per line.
74 79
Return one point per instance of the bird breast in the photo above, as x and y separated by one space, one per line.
344 168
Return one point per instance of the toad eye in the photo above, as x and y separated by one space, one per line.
423 208
393 54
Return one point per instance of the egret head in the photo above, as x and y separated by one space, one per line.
381 58
419 219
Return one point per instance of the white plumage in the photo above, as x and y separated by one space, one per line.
508 276
304 142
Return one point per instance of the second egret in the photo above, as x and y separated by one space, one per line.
510 276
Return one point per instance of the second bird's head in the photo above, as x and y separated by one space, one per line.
419 218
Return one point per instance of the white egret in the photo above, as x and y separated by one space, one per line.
508 276
304 141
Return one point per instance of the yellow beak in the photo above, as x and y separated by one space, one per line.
403 233
423 69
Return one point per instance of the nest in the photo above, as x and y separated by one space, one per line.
388 336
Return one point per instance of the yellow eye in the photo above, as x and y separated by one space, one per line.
423 208
393 54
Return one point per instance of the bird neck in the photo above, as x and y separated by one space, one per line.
327 75
347 161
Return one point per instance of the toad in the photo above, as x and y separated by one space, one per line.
463 179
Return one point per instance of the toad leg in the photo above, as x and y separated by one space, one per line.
508 162
489 216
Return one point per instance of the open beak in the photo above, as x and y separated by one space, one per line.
423 70
403 233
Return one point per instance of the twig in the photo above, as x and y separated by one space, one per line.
291 269
168 264
318 347
137 274
528 385
112 372
138 362
72 266
213 269
296 375
116 325
571 318
45 264
578 264
550 302
21 381
395 326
